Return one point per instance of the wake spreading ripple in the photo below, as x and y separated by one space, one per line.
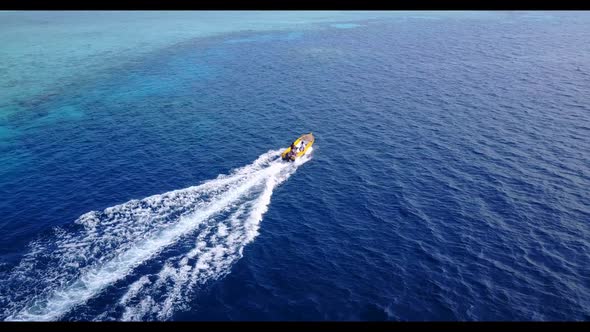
72 266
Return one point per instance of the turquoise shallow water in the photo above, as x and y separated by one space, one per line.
42 48
139 177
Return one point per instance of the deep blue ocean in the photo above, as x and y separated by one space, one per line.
449 179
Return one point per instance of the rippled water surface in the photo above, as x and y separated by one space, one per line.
449 178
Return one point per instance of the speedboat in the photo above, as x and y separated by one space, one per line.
298 148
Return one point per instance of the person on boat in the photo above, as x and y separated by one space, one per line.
293 151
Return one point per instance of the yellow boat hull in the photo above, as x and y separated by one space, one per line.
307 138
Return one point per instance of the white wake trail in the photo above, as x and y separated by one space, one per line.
214 252
224 214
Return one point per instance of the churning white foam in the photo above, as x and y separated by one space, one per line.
206 227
